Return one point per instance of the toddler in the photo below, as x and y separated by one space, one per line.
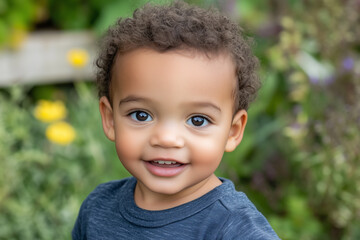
174 83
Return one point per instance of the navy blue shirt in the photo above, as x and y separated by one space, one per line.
110 212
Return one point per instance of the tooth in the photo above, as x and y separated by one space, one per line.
165 162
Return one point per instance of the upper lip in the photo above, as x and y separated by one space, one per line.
164 159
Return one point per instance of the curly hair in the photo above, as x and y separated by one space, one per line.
180 26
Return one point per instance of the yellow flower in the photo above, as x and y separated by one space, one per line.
61 133
48 111
78 57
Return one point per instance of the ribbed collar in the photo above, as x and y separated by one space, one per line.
141 217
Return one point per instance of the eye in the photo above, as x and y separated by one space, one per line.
140 116
198 121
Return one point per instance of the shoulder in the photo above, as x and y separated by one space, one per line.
103 201
111 188
244 221
108 193
233 200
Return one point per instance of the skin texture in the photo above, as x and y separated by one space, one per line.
155 99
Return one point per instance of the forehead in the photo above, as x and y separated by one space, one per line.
191 73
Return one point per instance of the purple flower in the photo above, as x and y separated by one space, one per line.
348 63
324 81
314 80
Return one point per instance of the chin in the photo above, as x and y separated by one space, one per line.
165 187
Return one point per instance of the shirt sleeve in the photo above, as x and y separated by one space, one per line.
248 223
76 232
80 223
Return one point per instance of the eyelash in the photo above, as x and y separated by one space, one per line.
206 119
134 116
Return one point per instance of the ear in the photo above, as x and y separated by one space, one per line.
107 118
236 131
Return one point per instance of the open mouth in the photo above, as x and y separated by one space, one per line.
165 167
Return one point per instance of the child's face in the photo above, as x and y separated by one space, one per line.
172 118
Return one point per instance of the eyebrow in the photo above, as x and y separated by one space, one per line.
132 98
206 104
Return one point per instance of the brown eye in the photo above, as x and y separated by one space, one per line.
198 121
140 116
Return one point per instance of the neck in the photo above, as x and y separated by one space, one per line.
146 199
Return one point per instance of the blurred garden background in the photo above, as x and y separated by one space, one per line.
300 158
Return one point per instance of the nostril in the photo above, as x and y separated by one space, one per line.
167 134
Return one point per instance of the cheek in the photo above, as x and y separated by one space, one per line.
208 152
128 144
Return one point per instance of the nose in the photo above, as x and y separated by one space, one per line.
167 136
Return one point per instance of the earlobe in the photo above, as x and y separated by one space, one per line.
236 131
107 118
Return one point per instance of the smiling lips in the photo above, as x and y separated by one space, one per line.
165 164
164 168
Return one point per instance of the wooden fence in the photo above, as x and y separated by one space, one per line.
43 58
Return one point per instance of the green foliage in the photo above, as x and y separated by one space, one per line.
114 10
299 217
16 17
43 184
299 159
